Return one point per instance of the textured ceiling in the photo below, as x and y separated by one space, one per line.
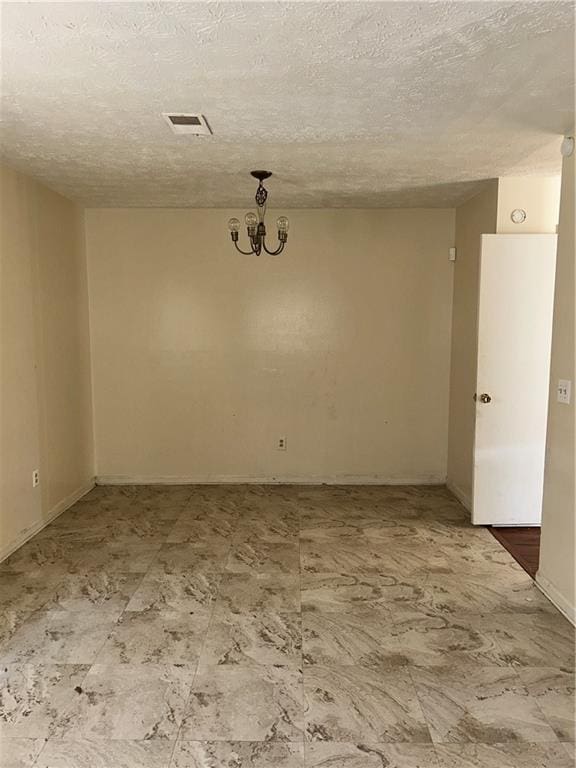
349 103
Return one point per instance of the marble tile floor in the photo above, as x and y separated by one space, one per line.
278 627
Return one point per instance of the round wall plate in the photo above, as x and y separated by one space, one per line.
518 215
567 148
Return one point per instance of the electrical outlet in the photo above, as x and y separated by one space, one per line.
564 391
35 478
281 444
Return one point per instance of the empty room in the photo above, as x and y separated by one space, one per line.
287 363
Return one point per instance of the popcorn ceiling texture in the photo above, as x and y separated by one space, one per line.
351 104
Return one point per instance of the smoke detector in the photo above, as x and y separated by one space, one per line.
183 123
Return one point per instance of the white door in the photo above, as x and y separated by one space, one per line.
514 340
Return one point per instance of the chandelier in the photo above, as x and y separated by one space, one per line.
255 226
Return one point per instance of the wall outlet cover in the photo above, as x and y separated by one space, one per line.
564 391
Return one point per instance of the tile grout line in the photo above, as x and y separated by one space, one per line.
177 737
422 710
136 588
221 574
301 614
538 706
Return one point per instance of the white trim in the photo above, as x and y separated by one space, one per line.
462 497
56 510
90 322
556 597
268 480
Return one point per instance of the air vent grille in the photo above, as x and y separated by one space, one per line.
182 123
185 120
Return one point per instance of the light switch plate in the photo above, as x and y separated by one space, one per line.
564 391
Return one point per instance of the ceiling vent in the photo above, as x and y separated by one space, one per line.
194 125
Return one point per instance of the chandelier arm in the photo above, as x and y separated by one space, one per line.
245 253
276 252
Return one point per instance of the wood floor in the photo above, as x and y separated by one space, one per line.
523 544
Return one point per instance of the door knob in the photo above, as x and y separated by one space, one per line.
484 398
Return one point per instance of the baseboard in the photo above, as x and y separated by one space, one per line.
56 510
557 598
269 480
462 497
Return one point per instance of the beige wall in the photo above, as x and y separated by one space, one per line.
473 218
556 574
45 393
203 358
539 196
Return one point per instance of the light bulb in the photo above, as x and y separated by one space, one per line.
251 220
283 224
234 225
